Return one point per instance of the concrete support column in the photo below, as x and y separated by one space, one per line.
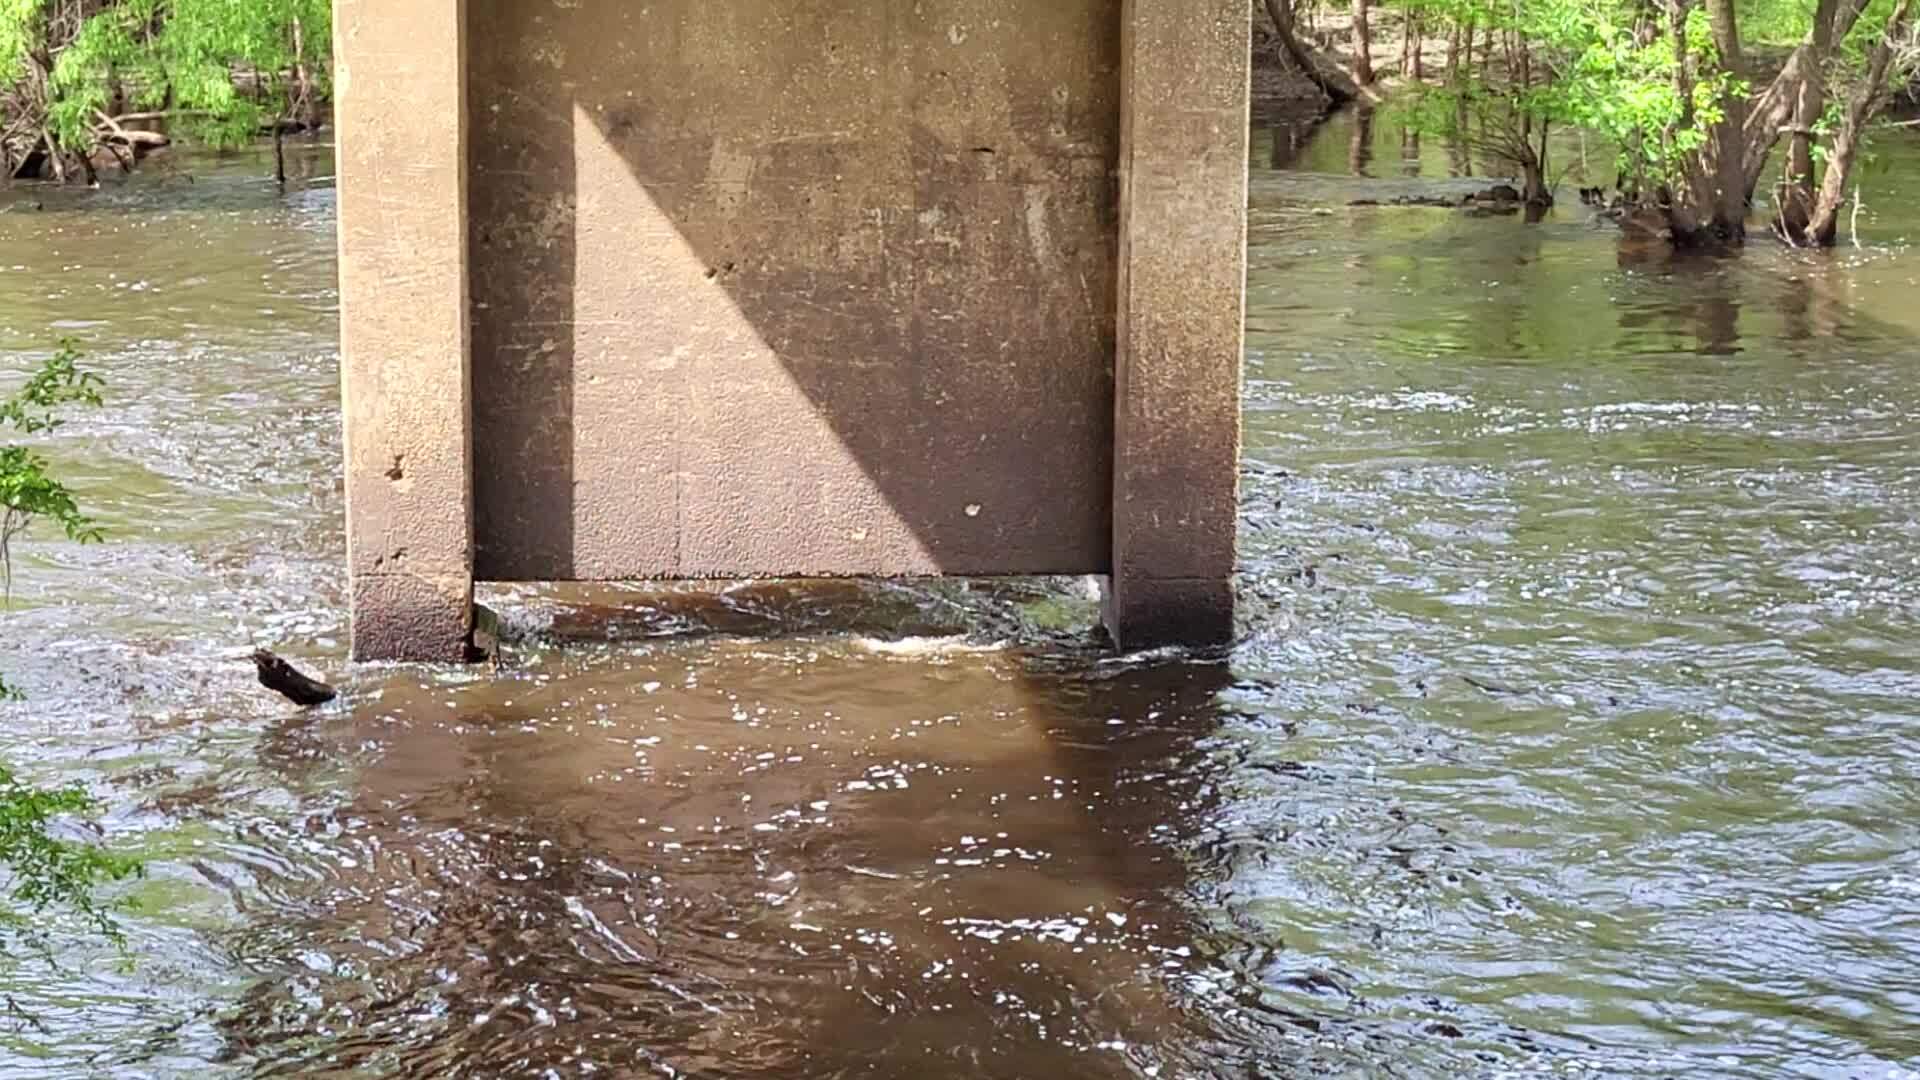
401 114
1182 272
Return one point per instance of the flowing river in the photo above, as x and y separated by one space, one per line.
1573 731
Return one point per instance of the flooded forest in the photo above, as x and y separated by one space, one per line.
1571 728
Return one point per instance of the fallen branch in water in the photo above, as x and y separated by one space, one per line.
109 129
1488 685
281 677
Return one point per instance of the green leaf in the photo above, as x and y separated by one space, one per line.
28 491
47 871
51 872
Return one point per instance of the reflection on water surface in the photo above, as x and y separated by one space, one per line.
1571 733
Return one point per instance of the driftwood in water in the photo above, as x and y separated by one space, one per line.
1498 199
279 676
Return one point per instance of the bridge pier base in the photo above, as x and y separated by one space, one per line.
1182 273
406 389
888 315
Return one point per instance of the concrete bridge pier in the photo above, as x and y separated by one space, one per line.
752 288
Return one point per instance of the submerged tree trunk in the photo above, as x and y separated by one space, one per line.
1729 178
306 104
1459 157
1709 208
1533 181
1683 218
1360 146
1786 102
1793 199
1536 191
1824 227
1362 45
1324 74
1806 215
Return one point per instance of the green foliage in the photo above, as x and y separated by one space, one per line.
1550 56
190 51
46 871
1872 27
28 493
59 382
21 22
108 47
1612 67
50 872
1773 22
205 38
1624 87
220 68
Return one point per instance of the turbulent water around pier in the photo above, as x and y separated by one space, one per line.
1572 728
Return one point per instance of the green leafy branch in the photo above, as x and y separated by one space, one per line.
48 871
28 492
181 55
45 870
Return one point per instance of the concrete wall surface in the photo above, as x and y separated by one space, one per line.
801 288
791 288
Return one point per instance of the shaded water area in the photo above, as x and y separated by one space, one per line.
1572 731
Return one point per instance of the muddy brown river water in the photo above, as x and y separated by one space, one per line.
1573 729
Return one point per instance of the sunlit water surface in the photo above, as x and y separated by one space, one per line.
1572 731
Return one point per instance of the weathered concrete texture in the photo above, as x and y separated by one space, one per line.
790 288
794 287
1182 272
1148 612
413 617
400 111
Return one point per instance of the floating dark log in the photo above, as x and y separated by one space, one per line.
280 677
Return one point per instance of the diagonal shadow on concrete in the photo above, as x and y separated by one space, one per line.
810 288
